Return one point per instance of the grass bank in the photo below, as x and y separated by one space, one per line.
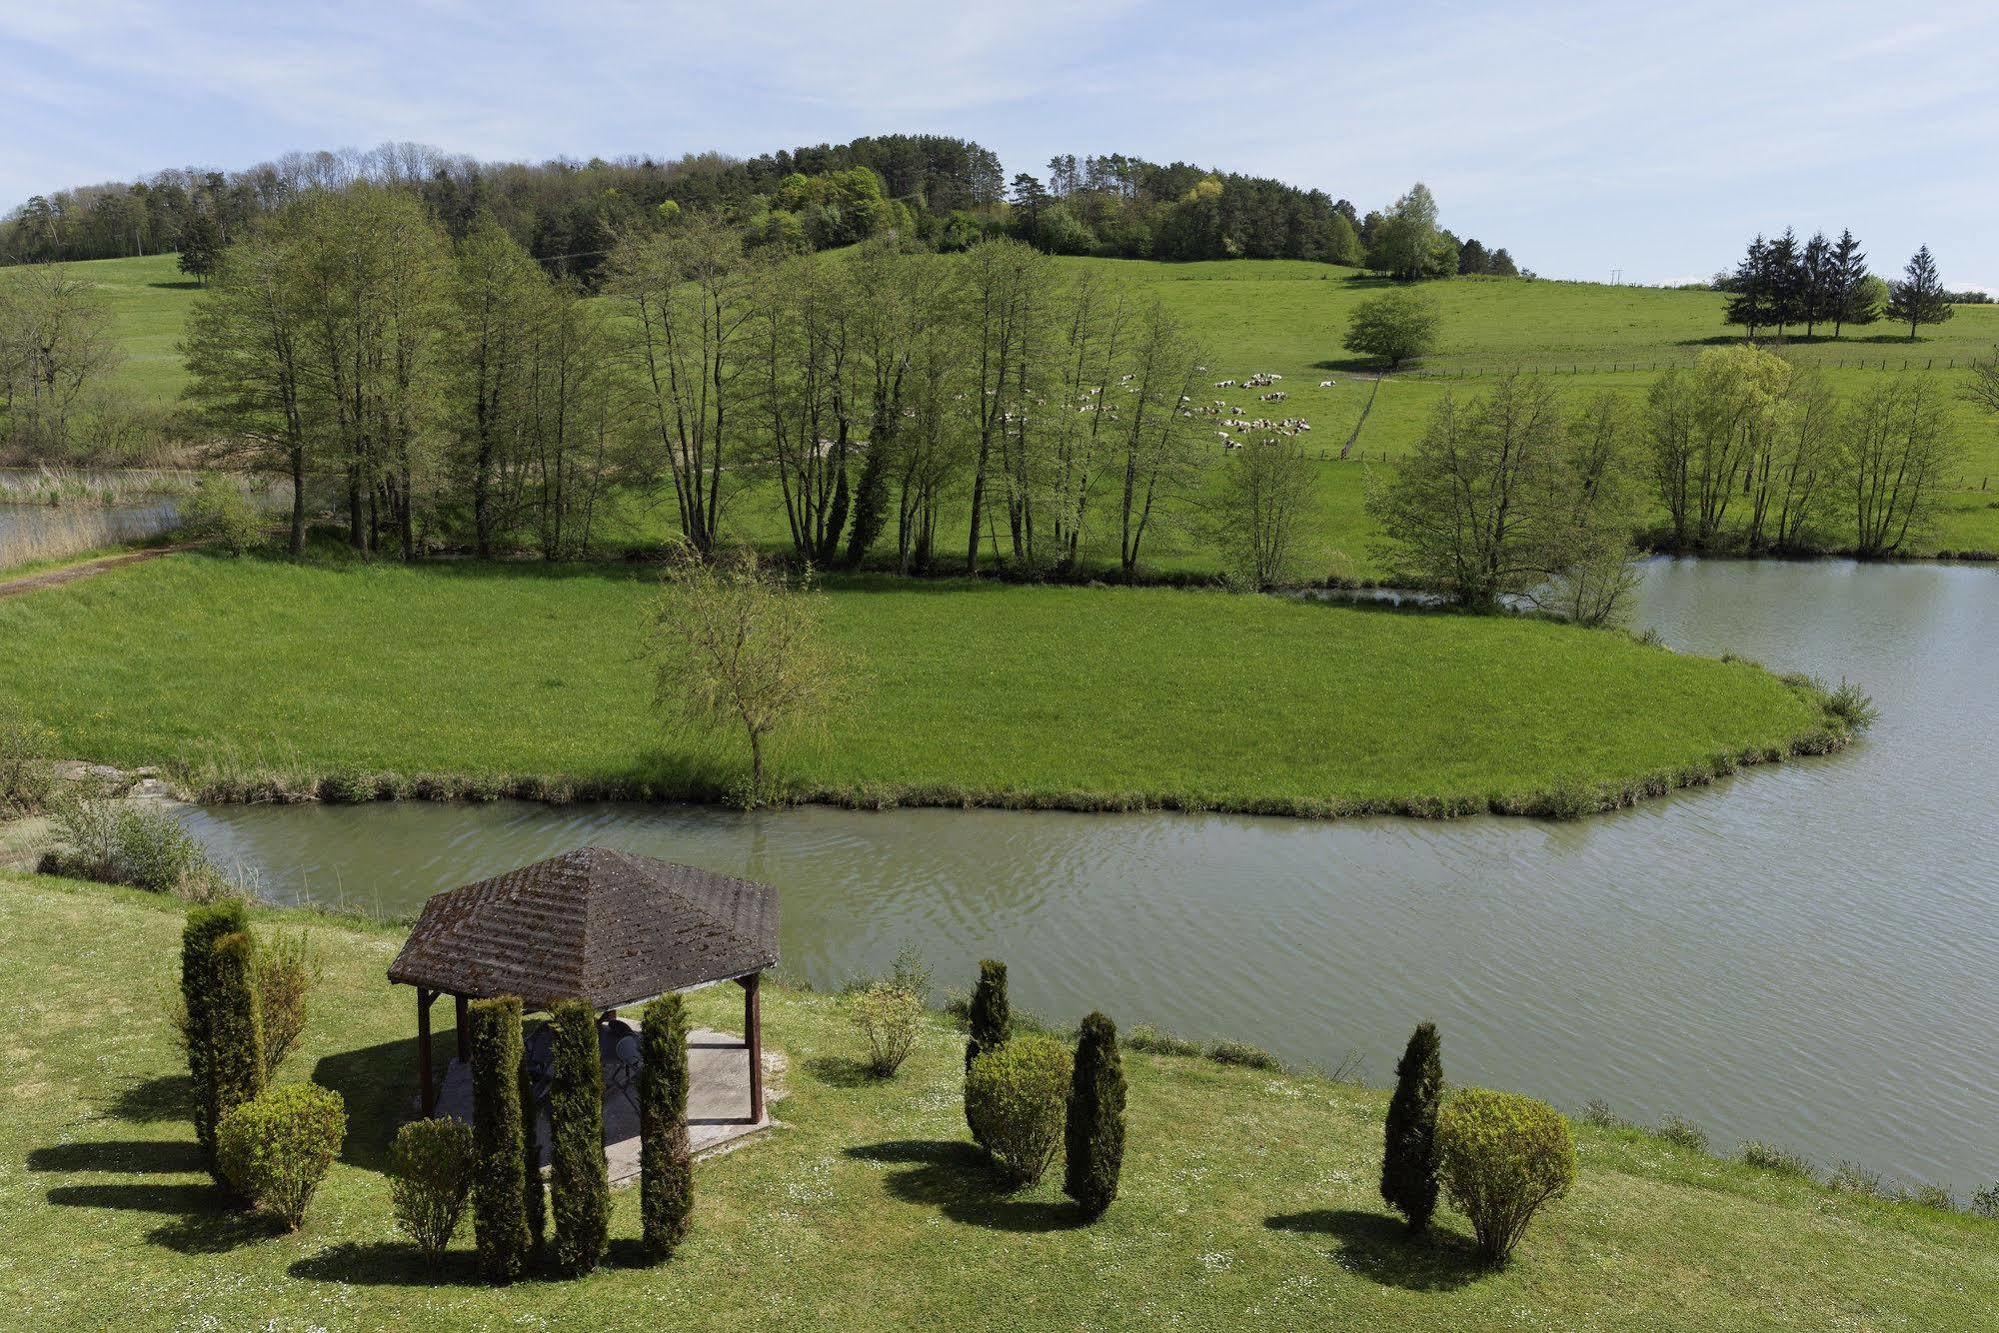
1248 1196
264 678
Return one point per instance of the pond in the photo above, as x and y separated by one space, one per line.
1803 954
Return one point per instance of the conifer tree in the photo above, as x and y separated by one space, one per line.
1409 1150
205 925
1094 1130
991 1017
666 1164
235 1033
499 1211
1919 298
1849 266
579 1182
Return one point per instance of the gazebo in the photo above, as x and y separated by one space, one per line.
610 928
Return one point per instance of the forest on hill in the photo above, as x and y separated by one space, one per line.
944 193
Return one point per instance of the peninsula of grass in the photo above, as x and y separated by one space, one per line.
265 679
1248 1196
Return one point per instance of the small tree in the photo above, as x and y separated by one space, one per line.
205 925
430 1178
499 1215
1394 327
287 967
666 1163
889 1017
1919 298
1501 1156
737 643
990 1016
1258 513
579 1184
1094 1127
1409 1139
235 1036
200 247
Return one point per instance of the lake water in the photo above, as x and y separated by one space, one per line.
1806 954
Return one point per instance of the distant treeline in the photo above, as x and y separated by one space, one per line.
942 192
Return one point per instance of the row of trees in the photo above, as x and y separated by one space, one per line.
1783 283
1513 496
458 392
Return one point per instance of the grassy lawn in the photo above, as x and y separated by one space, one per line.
1248 1198
1087 697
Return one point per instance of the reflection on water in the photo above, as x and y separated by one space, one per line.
1805 954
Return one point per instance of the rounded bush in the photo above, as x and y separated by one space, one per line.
1501 1156
277 1148
1015 1097
430 1181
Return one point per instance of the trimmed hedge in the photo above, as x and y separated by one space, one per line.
1501 1156
579 1181
430 1180
205 925
235 1058
276 1149
1094 1127
1409 1137
499 1213
1015 1096
666 1160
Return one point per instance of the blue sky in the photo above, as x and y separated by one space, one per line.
1651 138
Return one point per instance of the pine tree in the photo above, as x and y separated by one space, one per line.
1819 292
1409 1148
1849 266
1749 305
1094 1130
205 925
666 1164
1919 298
1784 280
235 1032
991 1018
579 1182
499 1211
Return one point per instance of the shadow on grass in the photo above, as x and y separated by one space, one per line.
1379 1247
127 1156
204 1218
379 1084
840 1071
1353 365
176 284
388 1264
153 1100
956 1179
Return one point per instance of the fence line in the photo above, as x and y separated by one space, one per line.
1634 367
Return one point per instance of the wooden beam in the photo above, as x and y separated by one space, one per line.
464 1032
427 1092
753 1037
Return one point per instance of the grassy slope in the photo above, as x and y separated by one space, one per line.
1289 316
1248 1198
1001 691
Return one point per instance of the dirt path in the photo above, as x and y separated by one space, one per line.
52 578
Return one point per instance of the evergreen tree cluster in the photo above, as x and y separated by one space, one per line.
1784 283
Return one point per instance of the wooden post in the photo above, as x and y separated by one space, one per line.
427 1093
753 1037
464 1034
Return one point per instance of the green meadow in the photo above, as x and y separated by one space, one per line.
1248 1196
957 692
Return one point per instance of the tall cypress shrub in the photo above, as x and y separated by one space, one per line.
1094 1131
235 1056
1409 1147
991 1017
499 1214
666 1162
579 1183
205 925
534 1193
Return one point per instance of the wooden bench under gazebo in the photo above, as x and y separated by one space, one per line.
613 929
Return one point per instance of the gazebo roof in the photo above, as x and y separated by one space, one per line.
607 927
